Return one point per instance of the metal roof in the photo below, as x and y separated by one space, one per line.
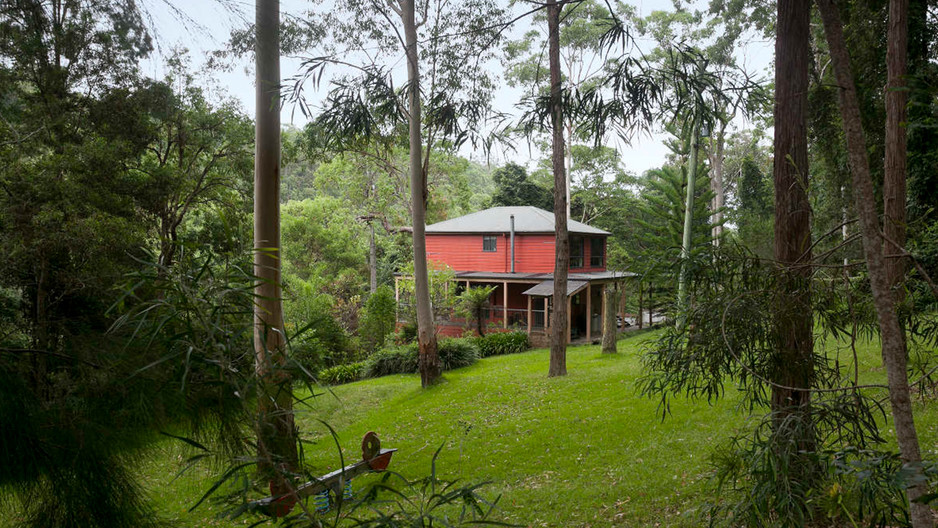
546 288
496 220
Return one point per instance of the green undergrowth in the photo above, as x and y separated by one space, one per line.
585 450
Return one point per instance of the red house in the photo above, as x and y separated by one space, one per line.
512 248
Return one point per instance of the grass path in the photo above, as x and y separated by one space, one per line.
585 450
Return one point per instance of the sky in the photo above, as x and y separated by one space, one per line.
205 26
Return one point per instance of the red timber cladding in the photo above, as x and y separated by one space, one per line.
534 253
464 252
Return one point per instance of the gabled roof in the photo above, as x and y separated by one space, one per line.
496 220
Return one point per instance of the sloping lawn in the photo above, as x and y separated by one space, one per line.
585 450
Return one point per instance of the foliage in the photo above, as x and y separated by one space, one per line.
424 502
442 294
500 343
340 374
853 486
661 221
773 475
457 353
402 359
513 187
378 318
318 338
472 304
392 360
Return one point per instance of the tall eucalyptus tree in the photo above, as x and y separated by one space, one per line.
276 436
453 41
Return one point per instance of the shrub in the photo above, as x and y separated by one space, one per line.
457 353
392 360
406 334
497 344
340 374
378 318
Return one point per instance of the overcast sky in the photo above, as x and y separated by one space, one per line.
210 24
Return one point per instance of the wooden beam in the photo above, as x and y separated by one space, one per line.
589 311
505 312
529 314
547 315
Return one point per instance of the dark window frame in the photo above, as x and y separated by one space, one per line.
486 239
577 260
597 258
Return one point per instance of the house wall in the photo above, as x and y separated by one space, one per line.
533 253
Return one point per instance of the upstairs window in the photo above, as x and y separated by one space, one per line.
597 252
489 243
576 252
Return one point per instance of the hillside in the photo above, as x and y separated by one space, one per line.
584 450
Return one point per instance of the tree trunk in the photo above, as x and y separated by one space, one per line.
558 341
641 306
372 260
894 184
276 437
893 342
609 322
792 318
429 362
688 220
717 187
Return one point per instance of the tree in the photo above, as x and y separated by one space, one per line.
379 318
474 302
891 332
793 318
197 158
558 341
276 433
513 187
582 25
368 108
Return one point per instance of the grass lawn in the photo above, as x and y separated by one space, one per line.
585 450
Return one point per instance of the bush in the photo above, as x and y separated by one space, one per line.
497 344
340 374
378 318
392 360
457 353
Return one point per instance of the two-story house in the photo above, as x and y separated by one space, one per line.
512 248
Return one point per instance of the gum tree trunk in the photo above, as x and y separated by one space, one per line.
276 437
558 341
891 334
429 361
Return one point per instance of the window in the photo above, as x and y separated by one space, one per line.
576 252
489 243
597 252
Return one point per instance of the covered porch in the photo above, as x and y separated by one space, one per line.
524 302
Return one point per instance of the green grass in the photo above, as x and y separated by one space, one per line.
585 450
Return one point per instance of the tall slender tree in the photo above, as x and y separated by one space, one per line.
429 361
276 437
793 319
558 341
891 333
